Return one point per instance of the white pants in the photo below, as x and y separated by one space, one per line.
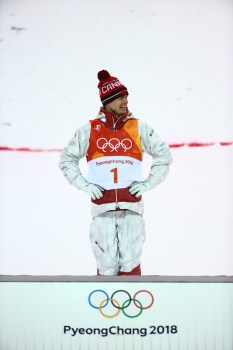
117 238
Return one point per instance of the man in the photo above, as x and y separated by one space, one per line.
114 143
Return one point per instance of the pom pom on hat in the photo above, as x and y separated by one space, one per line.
103 74
110 88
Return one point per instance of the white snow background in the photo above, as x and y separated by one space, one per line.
176 59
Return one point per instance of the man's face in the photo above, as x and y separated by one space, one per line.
118 106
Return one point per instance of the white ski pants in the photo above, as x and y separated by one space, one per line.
117 238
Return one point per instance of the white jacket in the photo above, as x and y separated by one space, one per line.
151 144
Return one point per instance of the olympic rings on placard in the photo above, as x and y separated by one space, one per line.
94 291
100 305
124 291
137 306
109 316
144 291
113 144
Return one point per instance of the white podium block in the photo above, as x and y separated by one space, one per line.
116 313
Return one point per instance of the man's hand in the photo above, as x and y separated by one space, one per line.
94 191
138 188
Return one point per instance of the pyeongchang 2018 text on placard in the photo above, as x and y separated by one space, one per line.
117 330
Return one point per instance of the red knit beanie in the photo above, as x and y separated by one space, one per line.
110 88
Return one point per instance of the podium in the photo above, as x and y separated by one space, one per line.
116 313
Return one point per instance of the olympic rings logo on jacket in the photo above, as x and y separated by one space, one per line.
114 144
116 304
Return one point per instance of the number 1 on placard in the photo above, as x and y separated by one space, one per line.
115 173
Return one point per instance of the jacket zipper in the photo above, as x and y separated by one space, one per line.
117 205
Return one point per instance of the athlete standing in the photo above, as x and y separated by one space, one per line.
114 144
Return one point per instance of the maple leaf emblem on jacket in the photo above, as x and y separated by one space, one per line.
97 127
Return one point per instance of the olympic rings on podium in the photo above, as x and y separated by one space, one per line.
109 316
98 290
116 304
144 291
124 291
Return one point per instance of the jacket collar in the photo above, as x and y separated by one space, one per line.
111 121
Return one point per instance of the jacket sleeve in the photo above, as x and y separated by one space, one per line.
160 153
71 155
